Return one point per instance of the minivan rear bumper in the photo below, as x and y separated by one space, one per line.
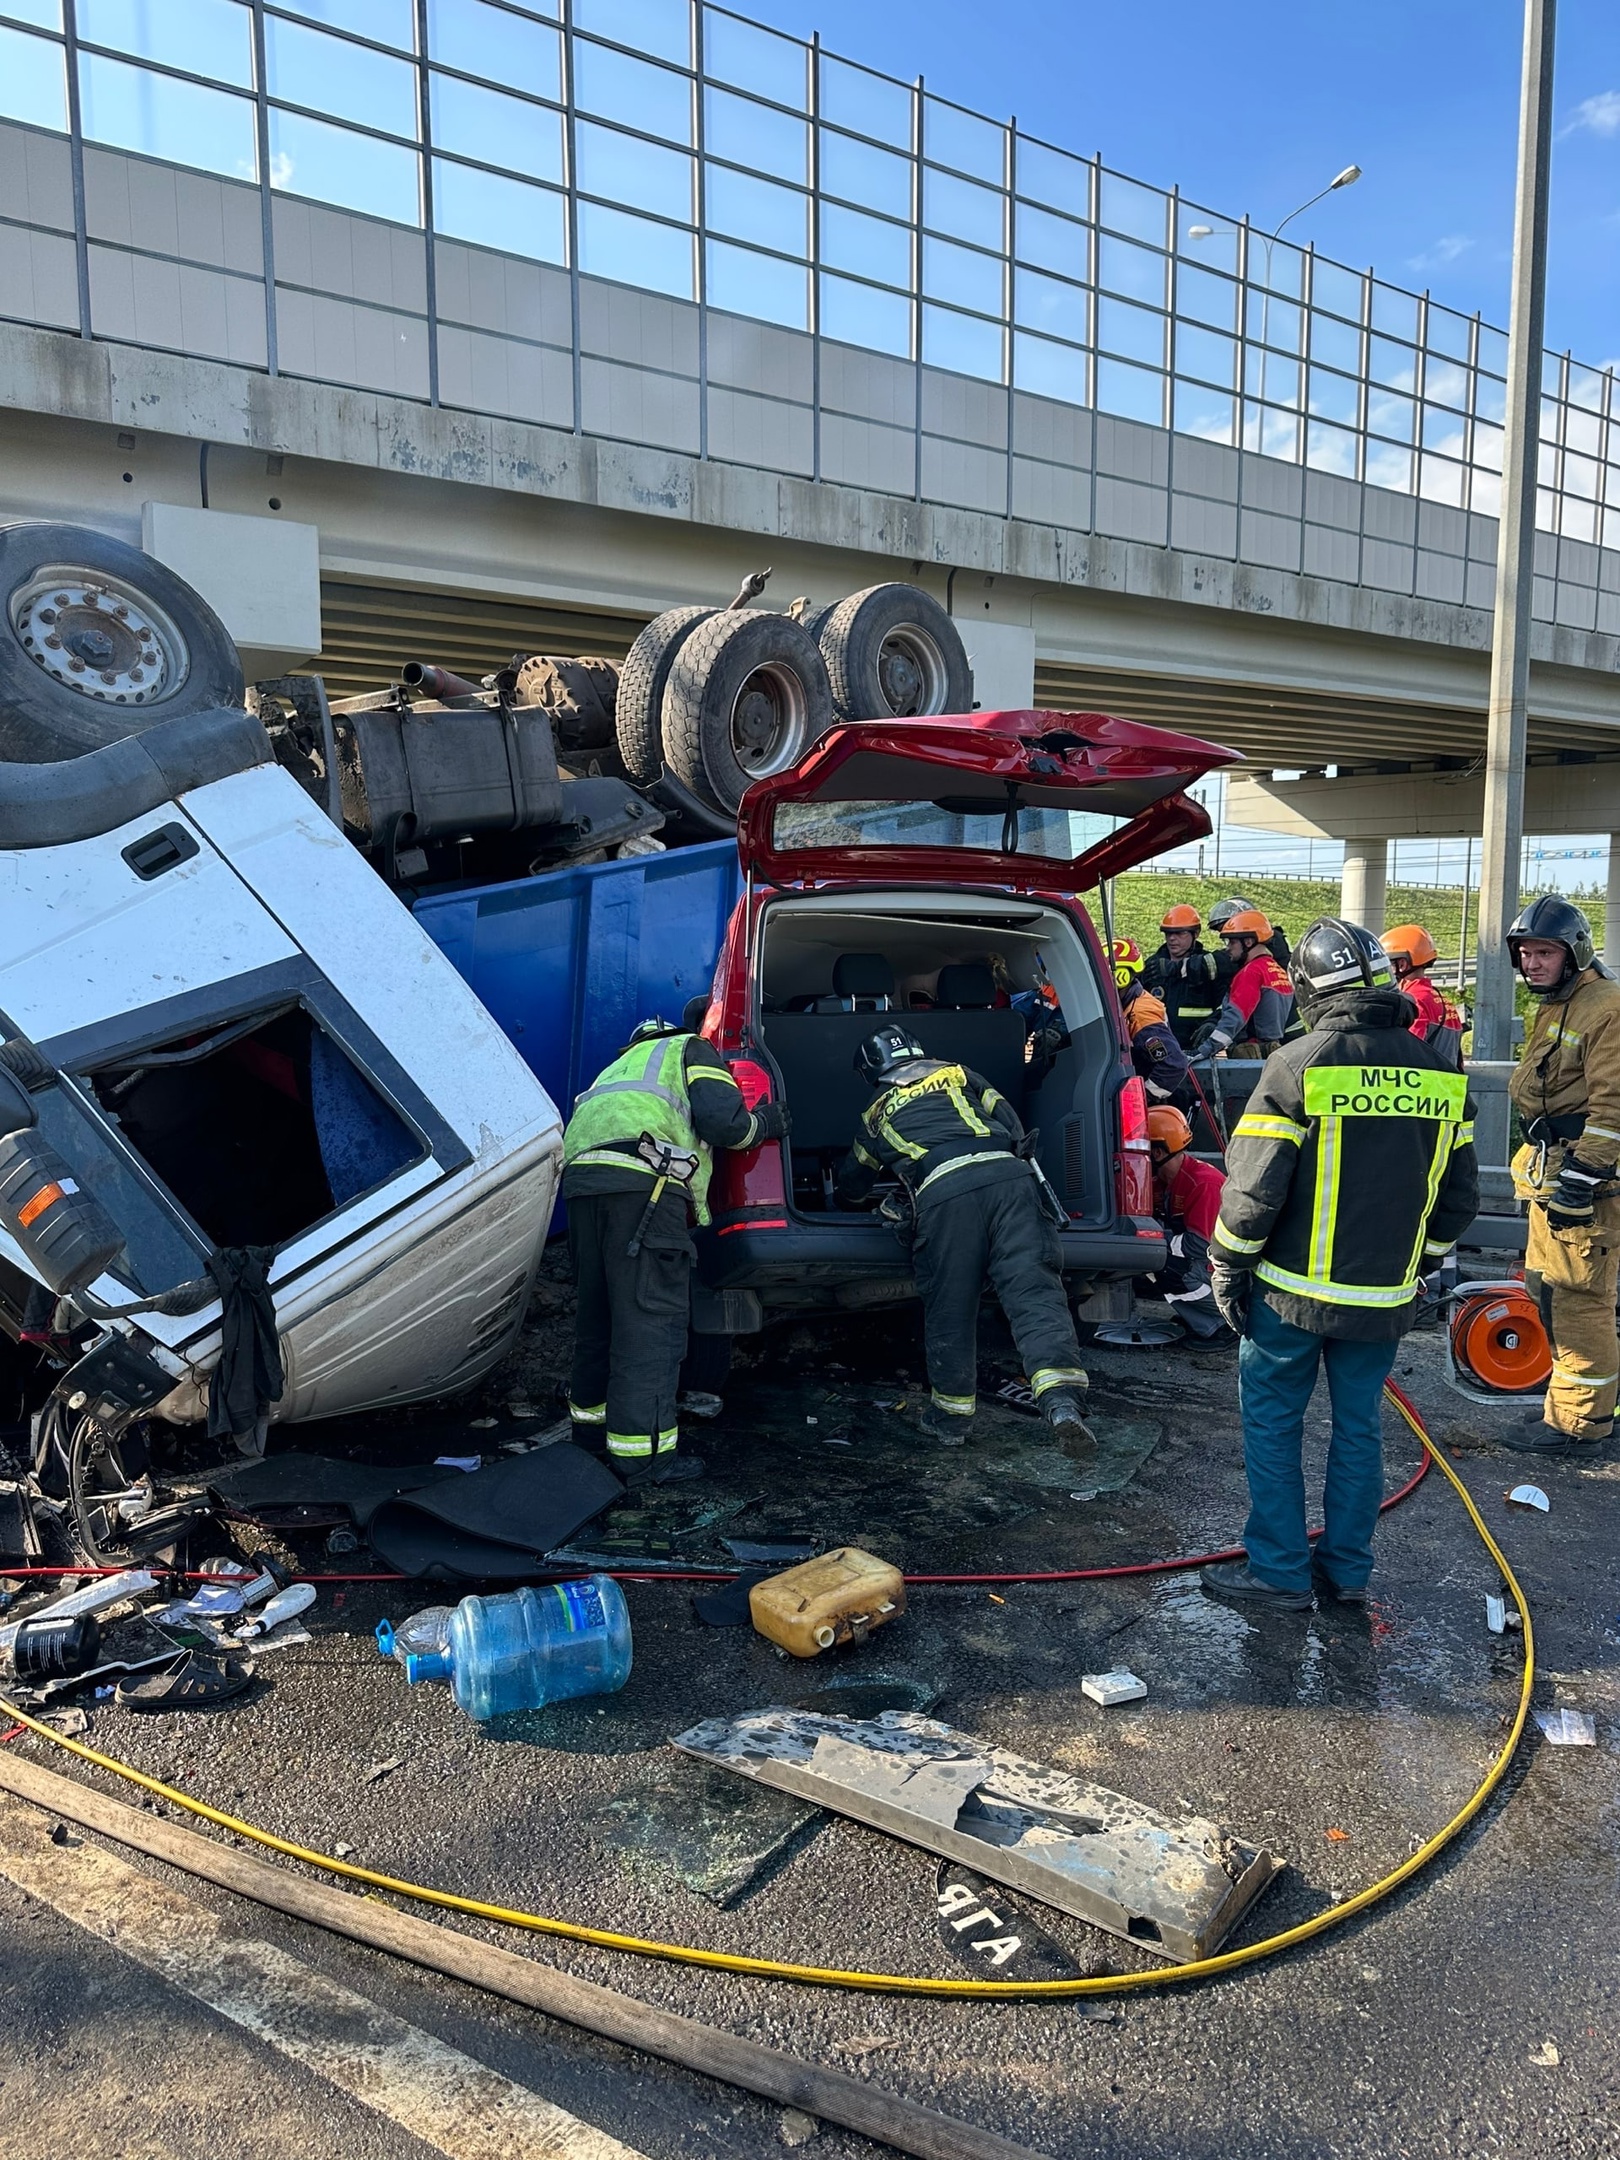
780 1250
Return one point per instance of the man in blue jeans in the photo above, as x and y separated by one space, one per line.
1350 1174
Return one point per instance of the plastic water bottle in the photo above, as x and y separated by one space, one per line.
423 1634
526 1648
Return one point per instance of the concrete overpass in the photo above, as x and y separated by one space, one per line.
491 451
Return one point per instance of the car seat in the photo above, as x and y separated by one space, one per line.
863 982
966 986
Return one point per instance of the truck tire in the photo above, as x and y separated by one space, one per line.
99 641
638 709
746 698
893 652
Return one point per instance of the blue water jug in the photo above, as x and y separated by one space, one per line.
526 1648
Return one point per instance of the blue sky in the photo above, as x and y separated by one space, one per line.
1250 108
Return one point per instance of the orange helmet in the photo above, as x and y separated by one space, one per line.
1249 922
1169 1128
1127 962
1409 941
1181 917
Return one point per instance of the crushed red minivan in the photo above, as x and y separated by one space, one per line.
931 870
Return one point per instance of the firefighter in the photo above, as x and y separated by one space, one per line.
1220 915
1566 1090
1412 953
1182 974
1257 1014
1187 1200
637 1155
979 1208
1351 1168
1160 1061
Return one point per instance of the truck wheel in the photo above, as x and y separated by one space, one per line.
638 709
97 642
746 698
892 651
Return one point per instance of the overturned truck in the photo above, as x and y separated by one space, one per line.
222 1034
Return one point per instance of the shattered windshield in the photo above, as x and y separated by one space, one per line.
1060 835
159 1251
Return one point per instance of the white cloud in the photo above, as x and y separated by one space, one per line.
1598 115
1445 250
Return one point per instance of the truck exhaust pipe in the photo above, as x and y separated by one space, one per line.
436 682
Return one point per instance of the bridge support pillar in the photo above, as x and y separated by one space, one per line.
1362 883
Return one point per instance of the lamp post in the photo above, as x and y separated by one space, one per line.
1500 870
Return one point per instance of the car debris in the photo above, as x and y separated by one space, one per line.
1529 1496
1174 1888
1567 1728
1109 1688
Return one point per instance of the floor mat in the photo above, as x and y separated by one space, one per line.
298 1480
492 1524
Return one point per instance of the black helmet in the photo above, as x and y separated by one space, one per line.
1223 911
1560 923
884 1051
1333 956
694 1012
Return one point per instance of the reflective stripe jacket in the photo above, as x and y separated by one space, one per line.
1351 1172
1259 1003
1571 1065
939 1128
1187 988
1160 1061
674 1087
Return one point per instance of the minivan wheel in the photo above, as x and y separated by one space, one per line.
746 698
638 708
97 642
893 652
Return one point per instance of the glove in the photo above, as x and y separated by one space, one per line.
1570 1207
1231 1287
772 1121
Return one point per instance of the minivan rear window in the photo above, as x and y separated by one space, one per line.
1059 835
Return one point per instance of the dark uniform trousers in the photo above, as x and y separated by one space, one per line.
997 1229
630 1333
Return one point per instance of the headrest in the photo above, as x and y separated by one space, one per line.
966 982
863 975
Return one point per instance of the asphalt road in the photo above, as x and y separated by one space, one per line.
1427 2027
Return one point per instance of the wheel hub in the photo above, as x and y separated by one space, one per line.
99 637
770 721
912 674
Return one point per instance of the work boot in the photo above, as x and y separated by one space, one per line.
946 1427
1335 1593
1061 1409
1233 1581
700 1404
666 1469
1534 1436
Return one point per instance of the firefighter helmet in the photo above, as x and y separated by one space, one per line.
1559 922
647 1030
1168 1129
1334 955
1248 923
1223 911
1411 944
1181 917
1127 963
885 1051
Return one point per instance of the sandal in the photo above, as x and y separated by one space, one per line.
191 1685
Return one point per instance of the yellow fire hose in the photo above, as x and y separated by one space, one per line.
899 1983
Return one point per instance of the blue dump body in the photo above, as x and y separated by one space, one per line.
567 963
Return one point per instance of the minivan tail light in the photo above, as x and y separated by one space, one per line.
1133 1117
755 1082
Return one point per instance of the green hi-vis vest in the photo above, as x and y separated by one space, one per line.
644 1091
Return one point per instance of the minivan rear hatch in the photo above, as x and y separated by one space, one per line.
1034 801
